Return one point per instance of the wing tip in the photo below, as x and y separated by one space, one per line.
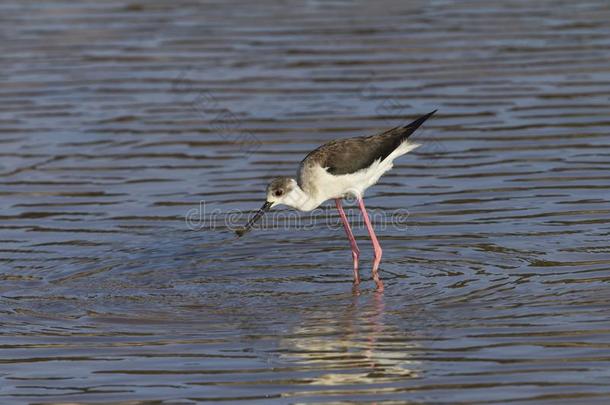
408 130
421 120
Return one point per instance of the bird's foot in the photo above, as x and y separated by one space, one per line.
376 278
356 274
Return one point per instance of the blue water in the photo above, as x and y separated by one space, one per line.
135 136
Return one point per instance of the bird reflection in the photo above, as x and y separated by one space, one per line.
354 342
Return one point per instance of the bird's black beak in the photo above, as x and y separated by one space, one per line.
266 206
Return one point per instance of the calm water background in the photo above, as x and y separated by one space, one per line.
118 118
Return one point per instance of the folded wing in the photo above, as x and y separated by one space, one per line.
344 156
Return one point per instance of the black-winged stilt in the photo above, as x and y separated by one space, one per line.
338 169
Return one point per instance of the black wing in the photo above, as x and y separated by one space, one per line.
344 156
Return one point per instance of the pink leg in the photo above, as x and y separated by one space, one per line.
352 240
376 246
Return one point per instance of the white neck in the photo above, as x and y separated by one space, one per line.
300 200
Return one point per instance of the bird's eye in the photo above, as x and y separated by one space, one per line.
278 193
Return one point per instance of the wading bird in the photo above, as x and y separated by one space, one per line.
341 168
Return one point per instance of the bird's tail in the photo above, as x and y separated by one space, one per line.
407 130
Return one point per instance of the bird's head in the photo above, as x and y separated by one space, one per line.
280 190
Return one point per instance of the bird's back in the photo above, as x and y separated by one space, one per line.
350 155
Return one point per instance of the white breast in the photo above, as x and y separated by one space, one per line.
330 186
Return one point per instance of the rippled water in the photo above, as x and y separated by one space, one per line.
119 119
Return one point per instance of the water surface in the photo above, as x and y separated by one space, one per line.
119 119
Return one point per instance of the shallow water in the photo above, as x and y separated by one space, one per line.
119 120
